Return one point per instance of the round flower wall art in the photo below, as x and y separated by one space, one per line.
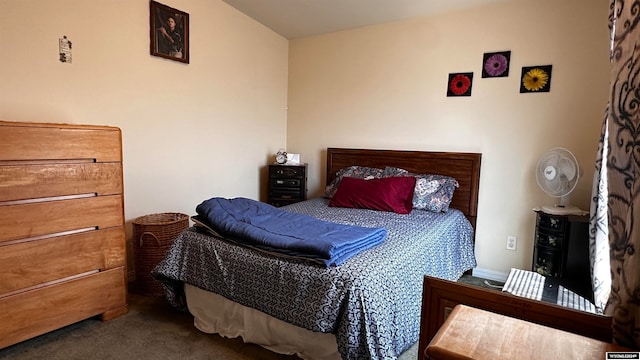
535 79
496 64
460 84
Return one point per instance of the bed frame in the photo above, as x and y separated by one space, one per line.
440 296
464 167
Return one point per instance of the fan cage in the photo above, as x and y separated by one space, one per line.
563 191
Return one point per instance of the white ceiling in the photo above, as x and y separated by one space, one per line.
299 18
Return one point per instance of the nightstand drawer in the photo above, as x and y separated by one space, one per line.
547 262
550 222
550 240
286 171
283 202
285 194
286 182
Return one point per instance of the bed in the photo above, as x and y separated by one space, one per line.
368 307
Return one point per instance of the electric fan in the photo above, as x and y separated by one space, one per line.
557 174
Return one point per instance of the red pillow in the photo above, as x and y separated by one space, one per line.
386 194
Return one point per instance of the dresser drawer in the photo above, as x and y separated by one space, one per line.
59 142
32 181
49 217
31 263
41 310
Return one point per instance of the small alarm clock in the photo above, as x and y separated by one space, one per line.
281 156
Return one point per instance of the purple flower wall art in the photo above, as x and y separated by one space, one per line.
460 84
496 64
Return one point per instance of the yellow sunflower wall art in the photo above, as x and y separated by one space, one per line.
535 79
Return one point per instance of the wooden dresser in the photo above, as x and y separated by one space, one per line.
62 239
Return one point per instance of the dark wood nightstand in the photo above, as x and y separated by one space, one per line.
287 184
561 250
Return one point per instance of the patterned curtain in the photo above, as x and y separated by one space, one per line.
622 173
599 226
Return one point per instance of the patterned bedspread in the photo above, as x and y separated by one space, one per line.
371 302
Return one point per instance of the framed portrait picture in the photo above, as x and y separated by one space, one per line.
169 32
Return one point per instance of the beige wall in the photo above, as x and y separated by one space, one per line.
190 131
208 128
385 87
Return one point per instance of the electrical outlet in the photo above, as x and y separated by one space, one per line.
512 242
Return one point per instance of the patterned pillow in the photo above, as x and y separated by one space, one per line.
390 171
432 192
358 172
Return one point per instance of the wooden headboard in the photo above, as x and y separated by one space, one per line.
464 167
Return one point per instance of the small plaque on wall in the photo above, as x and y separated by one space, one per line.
64 46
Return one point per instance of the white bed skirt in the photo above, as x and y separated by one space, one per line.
215 314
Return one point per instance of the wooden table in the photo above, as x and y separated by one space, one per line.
470 333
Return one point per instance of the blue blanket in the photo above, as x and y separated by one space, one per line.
268 228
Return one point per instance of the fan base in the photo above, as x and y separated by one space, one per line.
564 210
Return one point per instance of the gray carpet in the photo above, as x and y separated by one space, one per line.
151 330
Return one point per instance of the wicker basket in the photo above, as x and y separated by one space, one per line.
152 237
